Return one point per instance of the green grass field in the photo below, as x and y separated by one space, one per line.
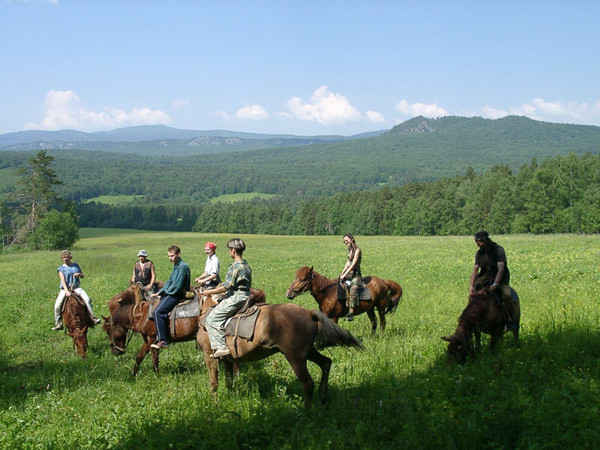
231 198
115 200
398 393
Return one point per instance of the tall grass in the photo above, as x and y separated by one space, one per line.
400 392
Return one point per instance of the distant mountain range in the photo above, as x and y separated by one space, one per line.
160 139
167 170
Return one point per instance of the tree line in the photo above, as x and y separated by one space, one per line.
559 195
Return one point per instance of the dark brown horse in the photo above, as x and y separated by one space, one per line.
129 316
76 319
482 314
132 295
385 296
284 328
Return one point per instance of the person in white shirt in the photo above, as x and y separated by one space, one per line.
210 278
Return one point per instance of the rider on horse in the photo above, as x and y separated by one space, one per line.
144 273
237 288
491 270
352 272
171 294
211 277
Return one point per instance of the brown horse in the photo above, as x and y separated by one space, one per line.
130 316
77 320
385 296
284 328
482 314
132 295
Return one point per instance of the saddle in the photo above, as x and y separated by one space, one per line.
363 292
242 323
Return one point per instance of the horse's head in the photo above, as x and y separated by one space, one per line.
117 335
80 342
457 349
302 283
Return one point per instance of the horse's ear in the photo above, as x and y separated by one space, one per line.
446 338
119 300
105 318
312 268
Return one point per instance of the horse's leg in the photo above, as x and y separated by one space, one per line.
236 369
229 372
140 357
477 334
301 371
325 364
381 312
373 319
212 366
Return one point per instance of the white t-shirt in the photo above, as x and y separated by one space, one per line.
212 266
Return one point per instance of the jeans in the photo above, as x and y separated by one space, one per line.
161 316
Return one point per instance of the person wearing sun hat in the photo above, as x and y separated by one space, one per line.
143 272
211 277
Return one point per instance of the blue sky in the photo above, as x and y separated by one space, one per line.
298 67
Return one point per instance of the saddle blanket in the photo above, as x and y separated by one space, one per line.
241 325
363 293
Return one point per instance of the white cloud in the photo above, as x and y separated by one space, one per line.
421 109
492 113
325 108
557 111
63 110
222 114
178 104
252 112
375 117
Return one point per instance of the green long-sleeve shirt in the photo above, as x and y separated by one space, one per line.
179 281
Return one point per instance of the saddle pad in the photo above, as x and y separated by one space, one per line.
363 293
243 323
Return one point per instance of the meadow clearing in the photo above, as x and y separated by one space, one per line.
398 393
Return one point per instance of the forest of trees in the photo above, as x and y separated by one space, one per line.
559 195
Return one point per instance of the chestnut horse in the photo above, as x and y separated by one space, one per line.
129 316
283 328
133 294
76 319
482 313
385 296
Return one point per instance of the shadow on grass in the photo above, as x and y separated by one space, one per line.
543 393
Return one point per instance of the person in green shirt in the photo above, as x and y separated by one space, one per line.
171 294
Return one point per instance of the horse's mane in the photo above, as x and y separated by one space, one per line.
75 312
320 282
122 314
475 310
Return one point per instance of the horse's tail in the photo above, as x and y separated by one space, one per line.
394 294
330 333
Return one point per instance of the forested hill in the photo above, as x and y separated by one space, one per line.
417 150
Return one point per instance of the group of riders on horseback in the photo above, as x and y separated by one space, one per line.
490 271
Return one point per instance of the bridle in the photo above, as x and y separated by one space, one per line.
303 289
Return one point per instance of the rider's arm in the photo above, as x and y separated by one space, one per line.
350 264
152 274
473 277
500 274
63 283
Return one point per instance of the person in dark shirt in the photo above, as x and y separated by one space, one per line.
143 272
491 270
171 294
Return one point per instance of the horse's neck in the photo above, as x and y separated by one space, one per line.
321 286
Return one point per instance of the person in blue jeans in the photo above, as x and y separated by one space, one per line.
171 294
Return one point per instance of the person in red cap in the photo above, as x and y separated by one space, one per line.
210 278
